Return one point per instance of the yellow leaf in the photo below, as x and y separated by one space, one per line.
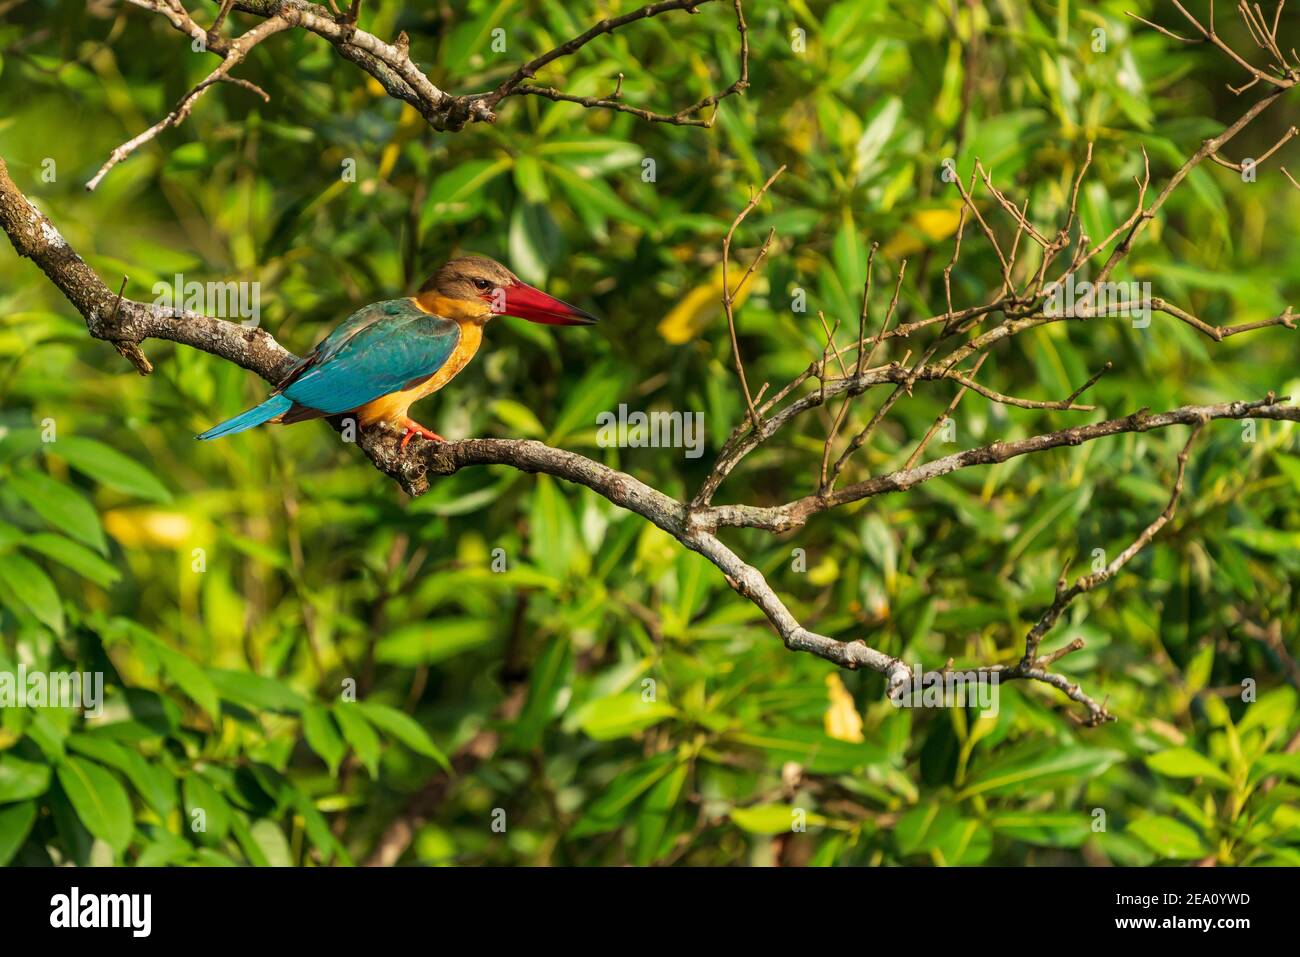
801 129
925 226
699 307
388 159
843 723
135 527
825 572
472 550
938 224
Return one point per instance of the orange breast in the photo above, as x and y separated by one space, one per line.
392 407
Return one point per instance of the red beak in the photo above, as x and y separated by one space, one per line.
525 302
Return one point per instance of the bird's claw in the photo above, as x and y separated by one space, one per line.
413 428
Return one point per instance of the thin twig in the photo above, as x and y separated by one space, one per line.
729 294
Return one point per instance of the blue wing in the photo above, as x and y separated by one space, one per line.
382 348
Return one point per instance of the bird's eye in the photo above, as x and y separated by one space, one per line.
482 284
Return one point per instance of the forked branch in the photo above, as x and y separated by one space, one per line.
401 77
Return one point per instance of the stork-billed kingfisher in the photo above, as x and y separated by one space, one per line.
388 355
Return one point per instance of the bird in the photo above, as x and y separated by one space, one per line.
388 355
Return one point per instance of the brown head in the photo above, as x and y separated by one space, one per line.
479 288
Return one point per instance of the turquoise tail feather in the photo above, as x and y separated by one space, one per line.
276 405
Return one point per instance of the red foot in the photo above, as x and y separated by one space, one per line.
414 428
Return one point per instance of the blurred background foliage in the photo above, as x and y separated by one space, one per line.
608 692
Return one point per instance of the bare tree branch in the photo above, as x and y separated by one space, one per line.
391 65
788 517
234 54
729 294
1033 666
687 116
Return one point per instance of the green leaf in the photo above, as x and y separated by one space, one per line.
877 134
1207 190
63 507
358 733
162 848
18 443
967 843
812 748
652 837
20 780
534 242
1041 770
404 728
243 833
207 857
100 801
201 796
589 155
1199 668
596 392
849 252
266 834
188 156
1186 763
553 532
109 467
606 812
151 781
1289 465
1045 828
322 736
911 830
255 691
599 197
318 830
1272 710
1285 764
1169 838
942 833
471 37
620 716
457 194
15 824
290 132
530 179
1267 541
187 675
518 418
47 728
549 676
32 589
71 555
771 818
427 643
